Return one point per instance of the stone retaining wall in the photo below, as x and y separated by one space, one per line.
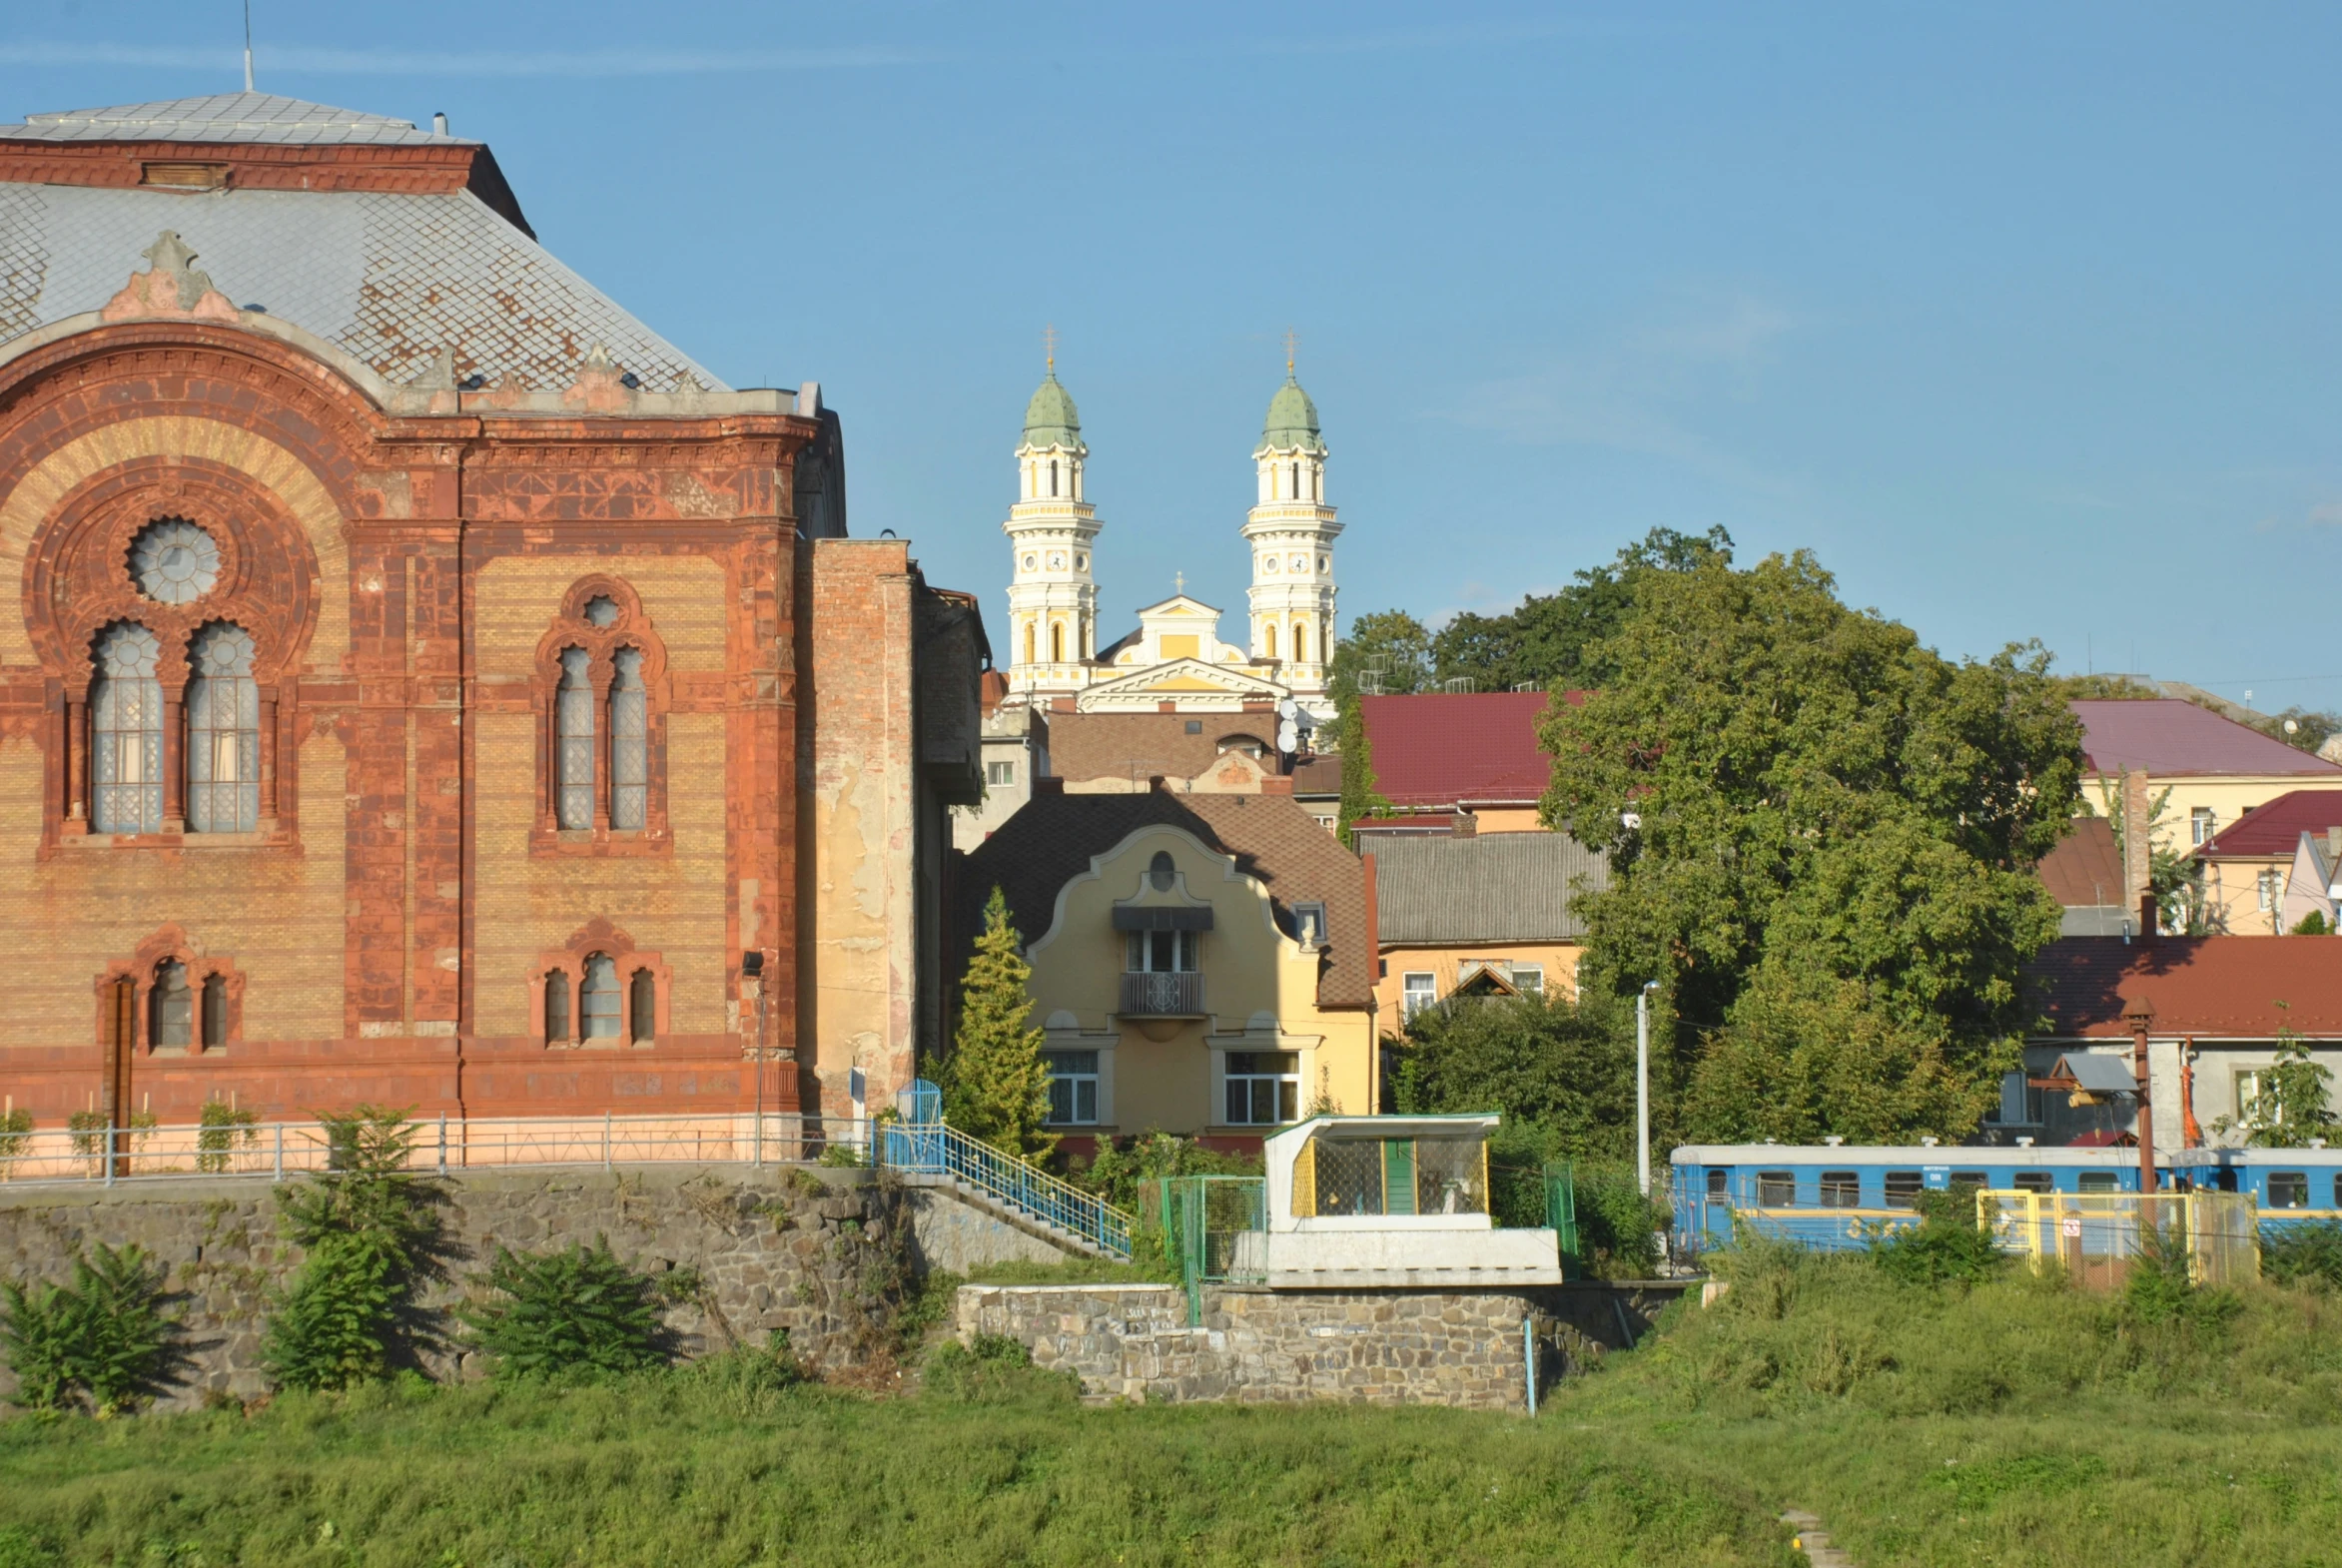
1392 1346
824 1254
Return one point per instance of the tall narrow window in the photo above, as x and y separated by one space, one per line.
1029 658
224 734
1296 481
1300 645
1052 477
642 1007
557 1008
126 715
601 998
1057 642
573 740
629 743
1270 632
215 1012
170 1007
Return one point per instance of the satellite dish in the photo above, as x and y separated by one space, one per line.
1632 821
1286 708
1287 737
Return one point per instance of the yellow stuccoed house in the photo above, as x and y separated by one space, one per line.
1201 963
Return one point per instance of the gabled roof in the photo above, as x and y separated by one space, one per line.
2218 988
2168 738
2272 830
1439 749
399 258
1084 746
1052 837
1493 887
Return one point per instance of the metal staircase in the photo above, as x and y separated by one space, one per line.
919 1144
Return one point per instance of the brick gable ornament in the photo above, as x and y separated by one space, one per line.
170 287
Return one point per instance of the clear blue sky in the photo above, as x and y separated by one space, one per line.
2025 319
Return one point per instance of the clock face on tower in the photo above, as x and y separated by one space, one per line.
1056 563
1300 563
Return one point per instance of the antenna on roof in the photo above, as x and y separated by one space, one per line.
248 45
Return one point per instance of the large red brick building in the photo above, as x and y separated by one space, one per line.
418 681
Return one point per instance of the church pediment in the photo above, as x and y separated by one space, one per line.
1184 682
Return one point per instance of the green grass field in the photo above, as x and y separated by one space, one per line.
2009 1423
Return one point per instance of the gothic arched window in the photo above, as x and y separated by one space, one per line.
557 1007
126 721
573 741
642 1007
629 742
599 996
169 1006
215 1012
224 734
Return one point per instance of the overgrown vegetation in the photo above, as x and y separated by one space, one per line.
368 1229
2307 1254
222 1129
992 1369
2291 1105
577 1311
995 1081
1947 1247
101 1341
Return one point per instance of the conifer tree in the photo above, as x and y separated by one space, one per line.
996 1084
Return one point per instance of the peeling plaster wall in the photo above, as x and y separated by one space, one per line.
858 925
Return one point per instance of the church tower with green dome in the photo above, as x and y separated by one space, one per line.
1291 531
1053 598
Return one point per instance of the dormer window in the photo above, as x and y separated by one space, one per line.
1310 925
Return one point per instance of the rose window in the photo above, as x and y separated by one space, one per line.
174 562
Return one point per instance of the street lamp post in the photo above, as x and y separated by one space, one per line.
1643 1085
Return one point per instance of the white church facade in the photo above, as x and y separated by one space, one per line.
1176 656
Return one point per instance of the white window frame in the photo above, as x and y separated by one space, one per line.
1077 1081
2203 824
1409 991
1287 1094
1144 953
1529 979
1001 773
2268 889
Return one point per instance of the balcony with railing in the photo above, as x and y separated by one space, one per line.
1155 995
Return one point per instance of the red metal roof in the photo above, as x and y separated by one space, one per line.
2166 737
2221 987
1443 749
2084 870
2275 829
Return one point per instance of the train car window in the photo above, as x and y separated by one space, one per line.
1903 1187
2033 1181
1776 1188
2096 1181
2338 1191
1970 1178
1841 1189
1719 1185
2288 1189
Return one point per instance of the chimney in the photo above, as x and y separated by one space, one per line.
1048 785
2147 917
1464 825
2138 850
1155 784
2333 845
1278 784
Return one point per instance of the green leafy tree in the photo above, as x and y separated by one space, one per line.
2291 1101
567 1312
996 1082
368 1229
1820 832
1557 638
1387 653
1569 1071
2175 877
105 1338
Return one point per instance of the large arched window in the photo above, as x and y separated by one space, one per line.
629 742
169 1006
573 740
215 1012
224 734
600 997
126 723
557 1008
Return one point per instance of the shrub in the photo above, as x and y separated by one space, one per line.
2303 1254
368 1231
1947 1247
224 1128
16 1131
104 1339
992 1369
577 1310
841 1157
748 1380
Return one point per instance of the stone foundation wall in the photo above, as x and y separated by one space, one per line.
825 1254
1372 1348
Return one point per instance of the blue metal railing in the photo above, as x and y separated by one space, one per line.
922 1143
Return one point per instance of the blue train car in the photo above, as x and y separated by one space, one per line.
2290 1186
1836 1197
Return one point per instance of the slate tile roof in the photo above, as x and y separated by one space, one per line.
2274 829
223 117
2170 738
1051 838
1438 749
2218 988
1493 887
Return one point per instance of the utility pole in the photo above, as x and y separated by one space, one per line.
2138 1013
1643 1085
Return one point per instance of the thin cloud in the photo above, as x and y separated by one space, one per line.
389 62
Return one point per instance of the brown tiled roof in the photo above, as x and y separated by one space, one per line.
2275 829
1086 746
2217 987
1051 838
2084 869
